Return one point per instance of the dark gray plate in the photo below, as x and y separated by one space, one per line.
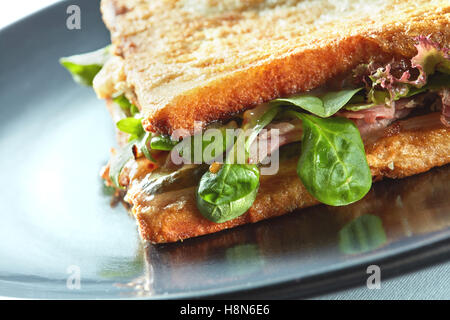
55 221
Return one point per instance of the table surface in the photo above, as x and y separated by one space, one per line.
432 282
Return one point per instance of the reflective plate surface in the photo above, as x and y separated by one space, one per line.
57 226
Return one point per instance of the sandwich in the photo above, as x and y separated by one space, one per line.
231 112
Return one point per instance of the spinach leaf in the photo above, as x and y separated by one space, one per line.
358 107
213 143
129 108
142 144
162 142
324 105
131 125
229 193
84 67
333 165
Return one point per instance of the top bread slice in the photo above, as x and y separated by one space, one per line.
206 60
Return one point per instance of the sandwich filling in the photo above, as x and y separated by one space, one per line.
324 130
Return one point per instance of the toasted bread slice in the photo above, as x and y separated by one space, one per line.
406 148
206 60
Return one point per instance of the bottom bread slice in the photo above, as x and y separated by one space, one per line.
405 148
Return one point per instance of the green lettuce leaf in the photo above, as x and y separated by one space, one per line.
229 193
130 109
333 165
132 126
84 67
324 105
430 57
162 142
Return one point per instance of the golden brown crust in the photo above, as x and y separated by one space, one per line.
206 60
412 149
